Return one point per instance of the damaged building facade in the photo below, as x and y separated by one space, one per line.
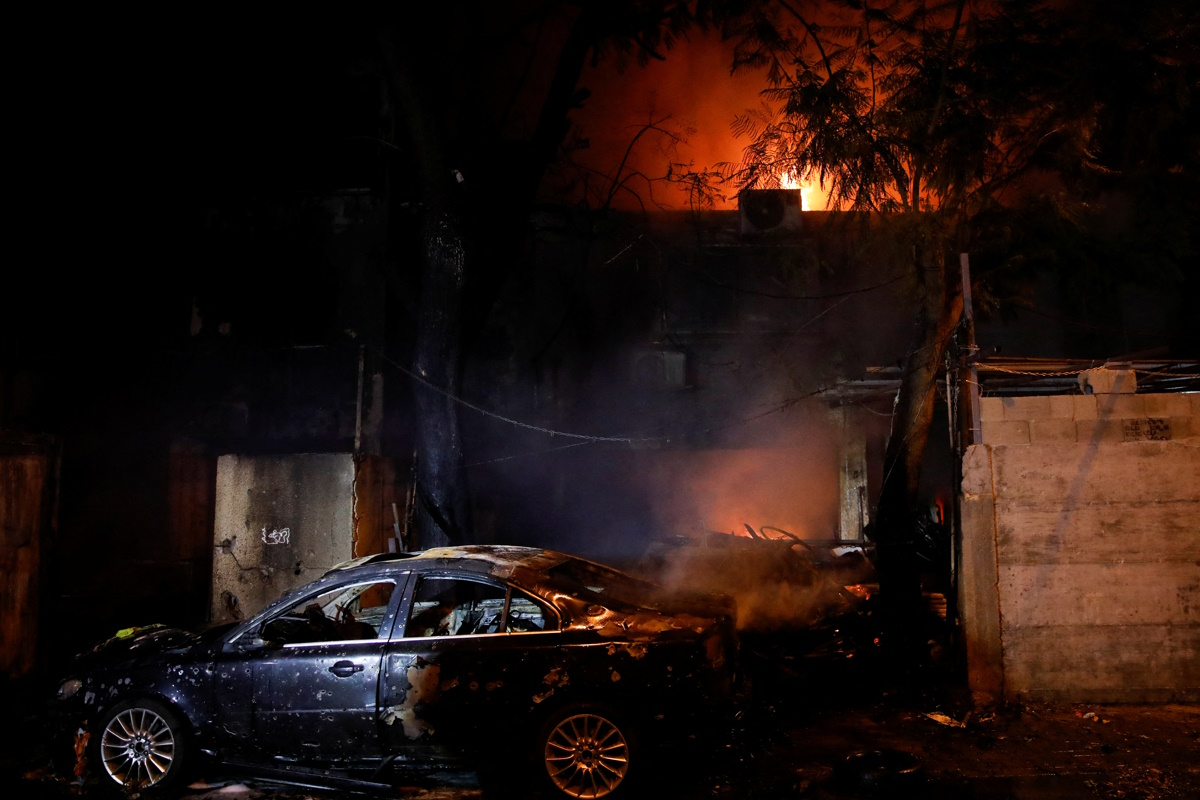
680 351
722 374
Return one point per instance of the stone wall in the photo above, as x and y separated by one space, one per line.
1081 548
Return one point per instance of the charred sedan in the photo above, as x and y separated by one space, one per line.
507 656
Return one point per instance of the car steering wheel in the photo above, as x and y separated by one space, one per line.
787 534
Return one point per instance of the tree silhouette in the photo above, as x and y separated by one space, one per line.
951 122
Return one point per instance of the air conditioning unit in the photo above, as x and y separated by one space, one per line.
660 369
769 210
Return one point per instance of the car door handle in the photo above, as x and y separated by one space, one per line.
344 669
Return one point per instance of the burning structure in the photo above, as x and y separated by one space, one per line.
622 376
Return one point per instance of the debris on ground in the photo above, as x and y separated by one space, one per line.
944 719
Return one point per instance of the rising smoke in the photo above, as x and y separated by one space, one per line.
746 439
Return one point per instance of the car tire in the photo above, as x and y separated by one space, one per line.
587 751
142 745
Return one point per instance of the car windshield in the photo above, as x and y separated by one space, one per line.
609 585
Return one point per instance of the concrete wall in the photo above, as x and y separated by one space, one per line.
853 515
1081 548
280 522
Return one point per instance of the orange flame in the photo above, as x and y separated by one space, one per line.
807 191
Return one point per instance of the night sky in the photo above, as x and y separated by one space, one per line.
133 127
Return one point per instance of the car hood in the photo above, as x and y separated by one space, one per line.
138 643
696 604
666 615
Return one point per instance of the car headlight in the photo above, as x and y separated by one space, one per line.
69 688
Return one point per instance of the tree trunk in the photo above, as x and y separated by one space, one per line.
938 314
441 509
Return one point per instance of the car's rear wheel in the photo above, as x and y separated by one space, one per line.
587 752
142 745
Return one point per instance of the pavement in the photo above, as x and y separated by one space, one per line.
815 721
827 723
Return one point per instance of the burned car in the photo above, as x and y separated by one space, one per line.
506 656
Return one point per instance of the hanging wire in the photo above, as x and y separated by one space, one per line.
524 455
587 438
509 420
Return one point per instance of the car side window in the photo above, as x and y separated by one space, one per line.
526 614
346 613
444 606
454 607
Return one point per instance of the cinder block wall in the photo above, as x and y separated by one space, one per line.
1081 548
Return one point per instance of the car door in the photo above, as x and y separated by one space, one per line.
467 651
316 683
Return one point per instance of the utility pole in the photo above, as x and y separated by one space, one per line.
968 434
972 393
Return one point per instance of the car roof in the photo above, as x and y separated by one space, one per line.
504 561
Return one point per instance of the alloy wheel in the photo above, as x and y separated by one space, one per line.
586 756
137 747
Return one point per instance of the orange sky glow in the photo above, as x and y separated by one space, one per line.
693 93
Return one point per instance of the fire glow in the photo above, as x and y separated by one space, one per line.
691 92
789 181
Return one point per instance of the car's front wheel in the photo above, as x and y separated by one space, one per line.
587 752
142 745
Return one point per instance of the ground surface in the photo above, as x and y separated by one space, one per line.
805 720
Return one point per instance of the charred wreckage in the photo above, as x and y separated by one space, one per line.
501 657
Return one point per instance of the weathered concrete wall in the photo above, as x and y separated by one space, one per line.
852 472
280 522
1081 548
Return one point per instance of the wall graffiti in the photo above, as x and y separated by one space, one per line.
1154 430
277 536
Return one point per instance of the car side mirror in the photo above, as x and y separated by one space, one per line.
248 643
273 634
258 639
